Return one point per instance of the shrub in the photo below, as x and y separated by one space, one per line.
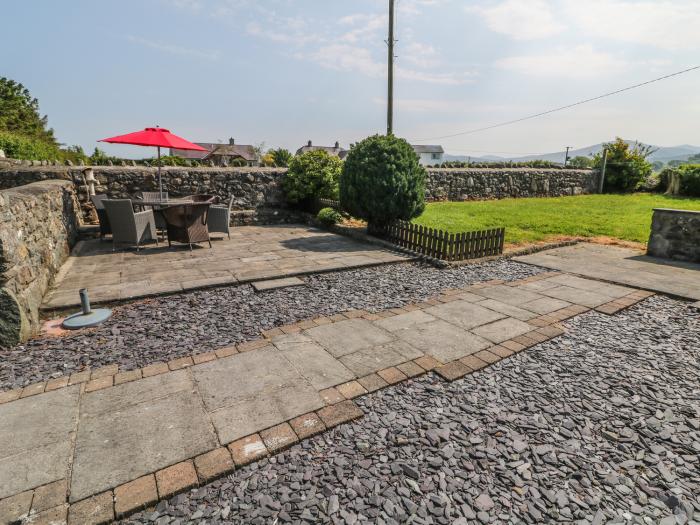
329 216
383 181
690 180
312 175
626 166
22 147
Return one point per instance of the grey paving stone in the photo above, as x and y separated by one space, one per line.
545 305
401 321
577 296
312 361
368 360
36 440
591 285
265 410
464 314
508 309
132 429
503 330
227 381
346 337
273 284
508 294
443 340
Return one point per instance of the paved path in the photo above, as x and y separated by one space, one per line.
623 266
110 442
253 253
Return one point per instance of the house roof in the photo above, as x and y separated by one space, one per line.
233 150
420 148
230 150
331 150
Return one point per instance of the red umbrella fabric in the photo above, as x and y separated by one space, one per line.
156 137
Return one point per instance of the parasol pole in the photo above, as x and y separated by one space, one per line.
160 181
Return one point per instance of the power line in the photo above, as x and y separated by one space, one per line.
507 123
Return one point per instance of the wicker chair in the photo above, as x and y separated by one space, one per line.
105 228
129 227
187 223
220 219
153 196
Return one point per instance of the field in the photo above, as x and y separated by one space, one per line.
625 217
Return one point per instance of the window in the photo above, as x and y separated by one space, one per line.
436 156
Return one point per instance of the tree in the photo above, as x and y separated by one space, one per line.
313 174
19 113
581 162
626 166
281 157
383 181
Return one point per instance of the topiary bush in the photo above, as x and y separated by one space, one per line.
329 216
312 175
383 181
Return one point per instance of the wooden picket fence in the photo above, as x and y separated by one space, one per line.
327 203
440 244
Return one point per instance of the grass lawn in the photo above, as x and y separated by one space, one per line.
626 217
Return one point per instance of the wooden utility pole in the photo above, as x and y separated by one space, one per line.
390 94
602 170
566 159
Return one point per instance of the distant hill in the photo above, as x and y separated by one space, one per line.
662 153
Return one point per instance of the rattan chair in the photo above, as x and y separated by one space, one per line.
152 196
220 219
105 228
128 226
187 223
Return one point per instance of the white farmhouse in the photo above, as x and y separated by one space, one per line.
429 155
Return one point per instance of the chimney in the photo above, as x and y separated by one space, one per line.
337 145
231 141
309 144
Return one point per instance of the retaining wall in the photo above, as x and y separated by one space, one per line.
38 226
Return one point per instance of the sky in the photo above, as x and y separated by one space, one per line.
281 72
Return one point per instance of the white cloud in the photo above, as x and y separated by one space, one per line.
173 49
418 54
521 19
665 24
578 62
344 57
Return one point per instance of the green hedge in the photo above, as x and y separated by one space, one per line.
25 148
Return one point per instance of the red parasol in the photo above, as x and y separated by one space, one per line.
157 137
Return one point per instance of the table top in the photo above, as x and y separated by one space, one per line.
166 202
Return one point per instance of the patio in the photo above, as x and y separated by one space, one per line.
254 253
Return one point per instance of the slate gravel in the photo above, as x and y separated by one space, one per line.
601 425
165 328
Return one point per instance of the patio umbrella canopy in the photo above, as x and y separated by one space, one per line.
155 137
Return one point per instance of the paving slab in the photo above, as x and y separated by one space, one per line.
36 439
503 330
578 296
509 309
508 294
132 429
442 340
364 362
346 337
622 266
573 281
402 321
546 305
312 361
274 284
464 314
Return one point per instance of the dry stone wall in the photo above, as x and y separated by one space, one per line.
38 226
675 234
456 184
254 188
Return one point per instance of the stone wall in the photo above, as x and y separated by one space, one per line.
675 234
260 187
460 184
38 226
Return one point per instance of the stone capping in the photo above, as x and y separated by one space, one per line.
145 491
675 234
676 210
